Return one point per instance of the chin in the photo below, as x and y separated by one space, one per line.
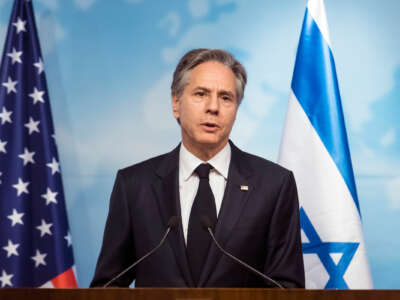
210 141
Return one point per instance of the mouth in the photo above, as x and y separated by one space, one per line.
209 126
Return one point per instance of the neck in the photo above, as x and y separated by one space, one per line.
204 152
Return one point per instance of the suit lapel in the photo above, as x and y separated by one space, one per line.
233 202
166 189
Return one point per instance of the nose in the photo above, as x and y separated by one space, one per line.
213 104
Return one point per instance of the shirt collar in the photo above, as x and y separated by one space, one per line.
189 162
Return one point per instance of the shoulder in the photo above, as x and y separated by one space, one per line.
260 166
149 169
148 165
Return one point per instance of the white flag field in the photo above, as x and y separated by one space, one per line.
315 147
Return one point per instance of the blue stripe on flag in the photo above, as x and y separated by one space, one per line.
316 88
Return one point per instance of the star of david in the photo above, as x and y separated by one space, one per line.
323 249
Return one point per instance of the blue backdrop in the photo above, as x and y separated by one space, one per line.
109 66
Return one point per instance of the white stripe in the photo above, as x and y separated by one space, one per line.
75 274
47 285
323 193
316 9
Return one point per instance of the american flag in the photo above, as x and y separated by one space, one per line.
35 241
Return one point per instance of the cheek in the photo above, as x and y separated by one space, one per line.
189 112
187 116
230 119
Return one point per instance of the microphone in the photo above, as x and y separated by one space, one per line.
172 224
206 223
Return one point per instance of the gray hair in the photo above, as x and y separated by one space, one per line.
195 57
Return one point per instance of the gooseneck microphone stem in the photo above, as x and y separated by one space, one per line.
172 223
242 262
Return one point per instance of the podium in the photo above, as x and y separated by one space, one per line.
195 294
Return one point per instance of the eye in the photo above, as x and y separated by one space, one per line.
226 98
199 93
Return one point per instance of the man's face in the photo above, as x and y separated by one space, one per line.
207 108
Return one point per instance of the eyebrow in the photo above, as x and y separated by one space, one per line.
222 92
227 93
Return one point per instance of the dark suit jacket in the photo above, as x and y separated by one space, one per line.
259 225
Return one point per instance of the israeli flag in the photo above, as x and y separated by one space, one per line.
314 146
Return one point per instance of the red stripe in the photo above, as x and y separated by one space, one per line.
65 280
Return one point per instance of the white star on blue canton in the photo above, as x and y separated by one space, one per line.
39 258
10 85
20 25
5 116
21 187
32 125
50 196
27 156
39 66
15 56
54 166
16 218
3 146
37 95
6 279
11 248
68 238
44 228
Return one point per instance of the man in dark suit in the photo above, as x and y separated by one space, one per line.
251 202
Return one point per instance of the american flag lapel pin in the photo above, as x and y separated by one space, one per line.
244 188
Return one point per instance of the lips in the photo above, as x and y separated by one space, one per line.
209 126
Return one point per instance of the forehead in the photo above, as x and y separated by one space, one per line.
212 74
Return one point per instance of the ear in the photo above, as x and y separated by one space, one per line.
175 106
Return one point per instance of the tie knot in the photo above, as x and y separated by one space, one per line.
203 170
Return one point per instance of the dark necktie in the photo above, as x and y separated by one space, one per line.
198 239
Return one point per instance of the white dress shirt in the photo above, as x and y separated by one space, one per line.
189 181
